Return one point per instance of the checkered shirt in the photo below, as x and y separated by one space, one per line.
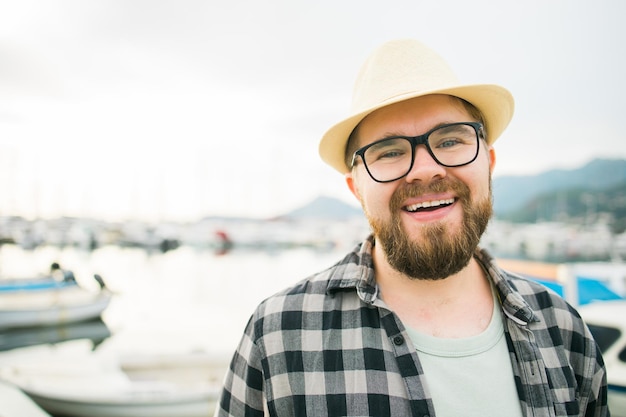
329 346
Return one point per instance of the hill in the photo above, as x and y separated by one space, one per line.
324 207
512 193
578 205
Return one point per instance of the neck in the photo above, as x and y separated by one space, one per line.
460 305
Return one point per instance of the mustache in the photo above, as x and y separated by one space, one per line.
412 190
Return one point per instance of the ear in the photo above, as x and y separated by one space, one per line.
492 159
351 182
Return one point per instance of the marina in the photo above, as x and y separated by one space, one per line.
119 162
181 306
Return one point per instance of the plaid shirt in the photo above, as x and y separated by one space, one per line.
329 346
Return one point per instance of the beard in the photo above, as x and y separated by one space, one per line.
441 251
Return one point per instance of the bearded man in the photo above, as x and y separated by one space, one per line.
417 320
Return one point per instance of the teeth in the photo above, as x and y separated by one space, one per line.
427 204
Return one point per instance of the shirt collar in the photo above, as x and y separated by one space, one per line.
513 304
356 271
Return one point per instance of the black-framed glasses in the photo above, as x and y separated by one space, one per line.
450 145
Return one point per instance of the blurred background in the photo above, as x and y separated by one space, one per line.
171 146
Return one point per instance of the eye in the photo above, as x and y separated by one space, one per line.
449 142
391 153
388 150
452 137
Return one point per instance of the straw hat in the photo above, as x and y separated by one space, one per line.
403 69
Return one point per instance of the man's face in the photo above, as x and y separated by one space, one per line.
429 222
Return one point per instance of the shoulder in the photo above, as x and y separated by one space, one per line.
310 294
350 274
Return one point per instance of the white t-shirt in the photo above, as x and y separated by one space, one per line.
470 376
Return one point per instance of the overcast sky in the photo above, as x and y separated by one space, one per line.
177 109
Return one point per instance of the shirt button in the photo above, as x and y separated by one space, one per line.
398 340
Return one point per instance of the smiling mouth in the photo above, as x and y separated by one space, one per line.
429 205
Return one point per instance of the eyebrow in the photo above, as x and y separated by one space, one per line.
438 125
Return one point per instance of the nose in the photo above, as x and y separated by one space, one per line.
424 168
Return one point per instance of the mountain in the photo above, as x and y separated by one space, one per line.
514 192
324 207
580 205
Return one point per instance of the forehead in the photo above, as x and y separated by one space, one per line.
411 117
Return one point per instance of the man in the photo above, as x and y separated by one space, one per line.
417 320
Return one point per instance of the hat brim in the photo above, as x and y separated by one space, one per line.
494 102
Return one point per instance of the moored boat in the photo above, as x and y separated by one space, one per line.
50 301
181 385
52 307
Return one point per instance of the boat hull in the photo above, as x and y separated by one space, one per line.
177 385
153 406
55 307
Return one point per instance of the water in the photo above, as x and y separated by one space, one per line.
180 301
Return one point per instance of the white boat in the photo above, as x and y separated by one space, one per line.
185 385
607 322
52 306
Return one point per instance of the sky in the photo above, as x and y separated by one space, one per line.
164 110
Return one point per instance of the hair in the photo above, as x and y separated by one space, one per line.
353 144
